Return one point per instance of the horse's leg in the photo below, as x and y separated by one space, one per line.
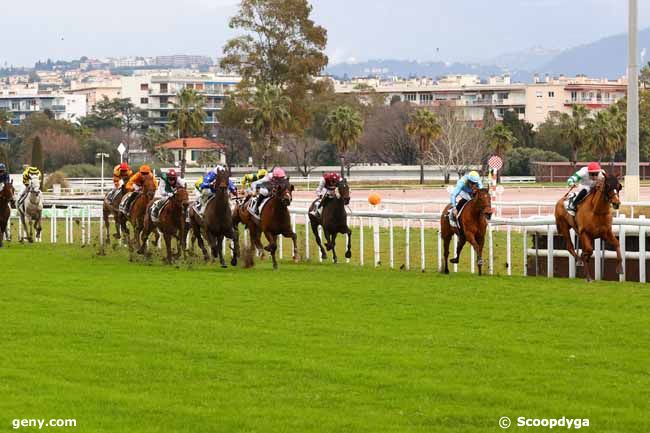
146 231
587 250
611 239
446 241
39 228
348 252
272 247
459 248
196 229
168 246
118 226
477 243
314 229
565 231
105 216
222 261
294 239
256 239
333 240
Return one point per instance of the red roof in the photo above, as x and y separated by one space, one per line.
196 143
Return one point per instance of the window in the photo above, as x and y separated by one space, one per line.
199 86
144 86
195 155
574 96
15 105
163 87
189 86
551 94
144 100
540 109
426 98
502 96
411 97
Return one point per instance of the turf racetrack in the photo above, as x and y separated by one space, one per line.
140 347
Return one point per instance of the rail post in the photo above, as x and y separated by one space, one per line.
307 236
642 257
491 247
509 249
597 262
361 241
391 251
621 240
549 251
375 241
525 241
422 247
407 258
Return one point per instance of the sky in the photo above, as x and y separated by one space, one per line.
449 30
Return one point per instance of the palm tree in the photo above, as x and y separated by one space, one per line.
344 128
270 116
5 119
606 133
424 128
187 118
573 128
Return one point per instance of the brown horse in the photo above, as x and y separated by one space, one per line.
217 223
111 206
275 219
473 223
6 197
171 222
334 220
138 210
593 220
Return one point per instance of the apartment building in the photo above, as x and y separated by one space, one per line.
471 95
156 92
95 91
24 101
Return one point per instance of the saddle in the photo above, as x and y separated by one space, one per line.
127 201
253 202
111 195
157 207
460 212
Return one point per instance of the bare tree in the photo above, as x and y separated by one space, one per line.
459 146
385 139
303 152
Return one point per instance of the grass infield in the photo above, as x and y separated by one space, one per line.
136 346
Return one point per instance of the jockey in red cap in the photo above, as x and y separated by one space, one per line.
326 189
586 179
168 183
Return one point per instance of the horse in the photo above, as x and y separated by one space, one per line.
217 223
333 218
593 220
138 210
111 206
171 223
31 209
274 220
6 197
472 223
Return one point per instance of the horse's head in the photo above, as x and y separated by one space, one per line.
34 186
181 196
221 181
344 190
284 191
8 191
483 201
612 186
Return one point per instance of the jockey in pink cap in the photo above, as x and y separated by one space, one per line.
262 186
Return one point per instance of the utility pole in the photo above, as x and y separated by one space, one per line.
632 185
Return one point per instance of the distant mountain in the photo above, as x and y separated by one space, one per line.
605 58
526 60
409 68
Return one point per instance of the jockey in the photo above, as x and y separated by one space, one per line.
465 187
326 189
121 174
262 185
5 179
28 174
205 186
136 183
248 179
586 179
167 186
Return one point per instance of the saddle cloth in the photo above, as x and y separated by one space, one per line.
460 212
197 204
157 208
568 199
251 206
124 207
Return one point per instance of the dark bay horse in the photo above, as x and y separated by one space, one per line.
473 223
275 220
593 220
138 211
6 197
171 223
217 223
334 220
111 206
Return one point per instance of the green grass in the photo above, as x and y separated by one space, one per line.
135 346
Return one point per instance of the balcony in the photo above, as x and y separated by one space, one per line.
590 101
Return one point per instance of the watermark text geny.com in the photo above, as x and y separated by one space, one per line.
40 423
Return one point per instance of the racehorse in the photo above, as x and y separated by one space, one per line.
111 206
31 209
138 210
334 220
217 223
6 197
171 222
274 219
472 222
593 220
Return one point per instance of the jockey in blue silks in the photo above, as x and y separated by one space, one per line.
207 187
464 189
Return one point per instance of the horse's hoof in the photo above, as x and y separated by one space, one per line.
116 236
446 271
233 262
580 263
335 260
296 259
323 256
619 270
454 261
224 266
480 262
348 254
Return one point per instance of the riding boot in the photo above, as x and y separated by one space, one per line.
573 203
258 203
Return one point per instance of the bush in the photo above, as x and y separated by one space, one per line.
518 160
85 170
54 178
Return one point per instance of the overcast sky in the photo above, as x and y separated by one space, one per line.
358 29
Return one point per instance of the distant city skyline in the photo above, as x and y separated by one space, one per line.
426 30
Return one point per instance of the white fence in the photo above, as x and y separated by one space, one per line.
417 229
